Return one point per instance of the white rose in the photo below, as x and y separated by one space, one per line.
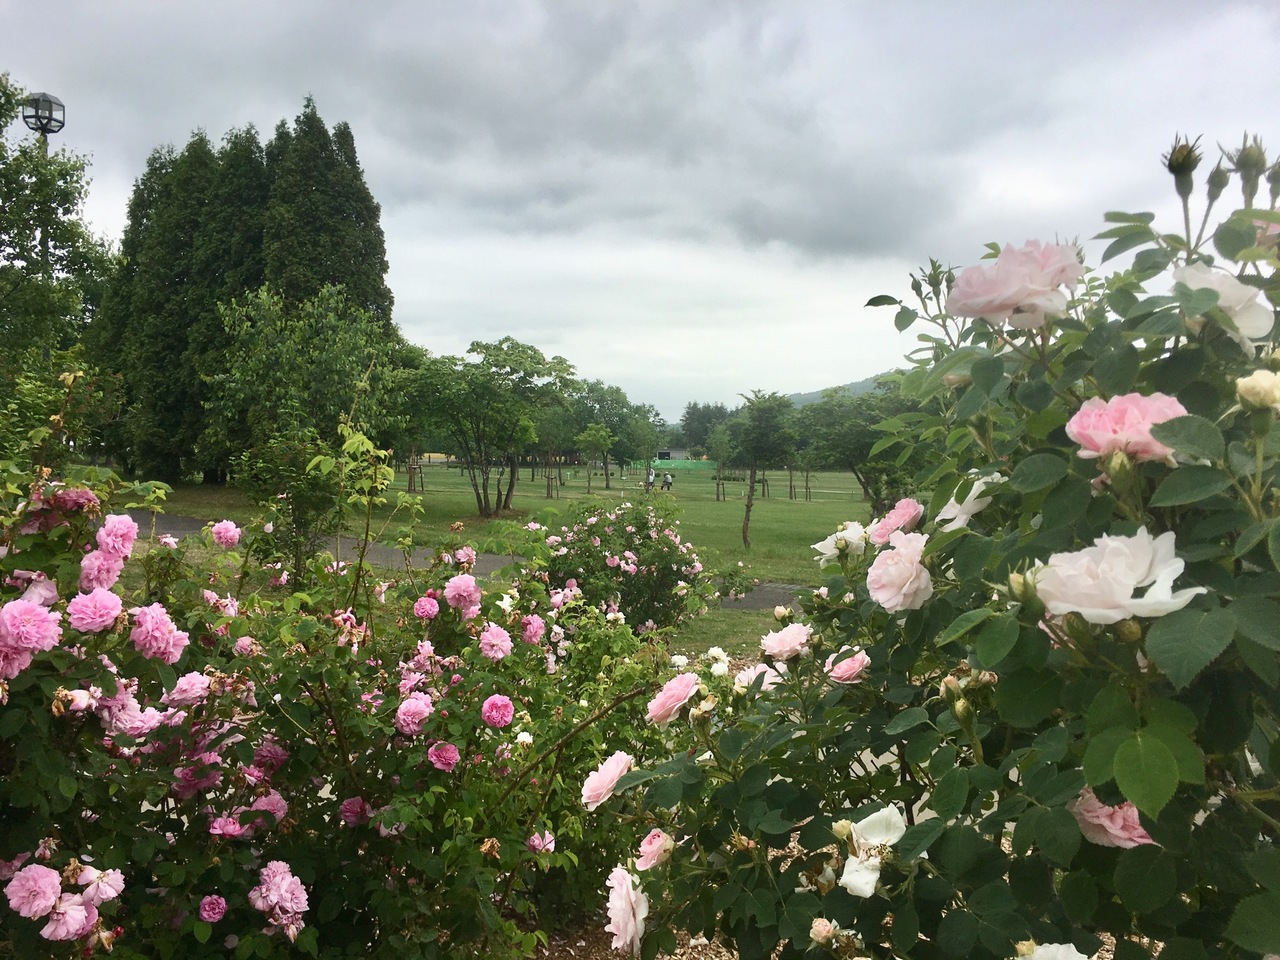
1260 389
1099 582
957 515
1239 301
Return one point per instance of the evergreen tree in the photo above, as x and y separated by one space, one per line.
322 224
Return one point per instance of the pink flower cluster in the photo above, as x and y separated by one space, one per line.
497 711
154 634
495 642
789 642
282 897
102 567
413 713
672 697
904 516
225 534
26 628
94 611
897 579
36 891
463 594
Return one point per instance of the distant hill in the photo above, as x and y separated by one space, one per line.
861 386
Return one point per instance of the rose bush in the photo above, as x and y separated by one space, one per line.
194 762
1064 720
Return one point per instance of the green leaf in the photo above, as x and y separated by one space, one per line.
1264 866
1126 239
1146 878
1257 618
1116 369
904 318
957 933
883 300
1119 216
1233 236
1111 707
1273 545
996 639
1038 471
202 931
911 717
1190 484
1192 435
962 625
1024 698
67 786
1184 642
987 373
950 794
1146 772
1253 925
1058 836
1252 536
918 839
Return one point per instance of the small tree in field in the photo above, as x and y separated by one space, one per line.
767 439
593 443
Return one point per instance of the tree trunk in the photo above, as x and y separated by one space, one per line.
511 483
746 517
605 461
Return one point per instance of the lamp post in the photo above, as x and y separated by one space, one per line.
45 114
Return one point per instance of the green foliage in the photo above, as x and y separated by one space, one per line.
1066 722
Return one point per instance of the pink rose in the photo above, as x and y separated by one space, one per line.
848 670
1123 425
155 635
117 534
1021 286
463 594
77 498
655 849
94 611
28 627
1106 826
628 908
599 785
225 534
747 676
212 908
495 643
99 569
426 608
674 694
444 756
100 885
70 919
897 579
544 842
34 890
497 711
355 811
413 712
534 628
906 513
191 688
791 641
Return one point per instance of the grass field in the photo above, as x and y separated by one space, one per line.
781 529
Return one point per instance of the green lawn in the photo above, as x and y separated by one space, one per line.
781 529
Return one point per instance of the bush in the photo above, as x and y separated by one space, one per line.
1039 711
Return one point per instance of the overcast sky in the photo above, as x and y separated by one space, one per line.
690 199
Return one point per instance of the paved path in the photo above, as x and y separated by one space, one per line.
765 596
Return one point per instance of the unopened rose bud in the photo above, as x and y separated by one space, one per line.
781 613
1182 161
1077 627
955 381
1250 161
1219 177
822 930
843 830
950 690
1128 631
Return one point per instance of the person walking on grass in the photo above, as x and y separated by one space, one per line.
667 480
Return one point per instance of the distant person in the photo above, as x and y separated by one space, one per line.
648 480
667 480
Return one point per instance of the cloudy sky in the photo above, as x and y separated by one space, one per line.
690 199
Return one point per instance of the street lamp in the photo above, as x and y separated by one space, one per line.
44 113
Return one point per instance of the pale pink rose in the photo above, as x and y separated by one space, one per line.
497 711
599 784
225 534
1020 286
41 589
848 670
191 688
1251 316
99 569
674 694
70 919
544 842
34 890
655 849
904 516
1100 582
1123 425
897 579
94 611
463 594
444 756
29 627
465 555
271 803
117 535
533 628
628 908
170 541
229 827
426 608
278 890
791 641
213 908
821 930
747 676
413 712
495 643
100 885
9 868
1106 826
77 498
247 647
